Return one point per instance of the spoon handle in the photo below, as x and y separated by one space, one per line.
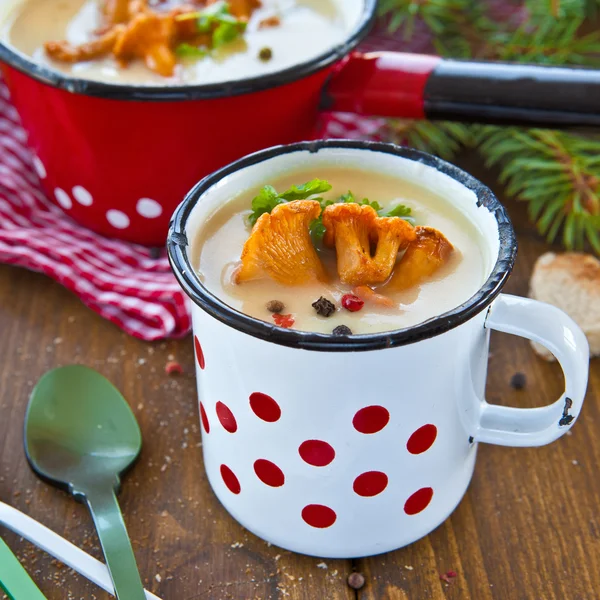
14 580
116 546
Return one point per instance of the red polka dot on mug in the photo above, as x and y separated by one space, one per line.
230 480
319 516
204 418
265 407
226 417
269 473
422 439
370 483
419 501
371 419
199 353
316 453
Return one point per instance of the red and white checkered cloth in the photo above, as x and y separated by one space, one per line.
118 280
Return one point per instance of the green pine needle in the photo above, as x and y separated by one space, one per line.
559 9
435 13
442 139
558 174
549 42
456 25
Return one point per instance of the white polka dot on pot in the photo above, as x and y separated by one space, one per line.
39 167
151 209
63 198
118 219
82 196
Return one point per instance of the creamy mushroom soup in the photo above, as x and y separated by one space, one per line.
340 251
174 42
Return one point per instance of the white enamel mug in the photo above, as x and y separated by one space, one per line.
353 446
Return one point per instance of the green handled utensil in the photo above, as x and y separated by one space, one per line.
81 435
14 579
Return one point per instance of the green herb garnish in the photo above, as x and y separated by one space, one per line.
268 198
350 197
217 21
400 210
265 202
317 229
189 51
310 188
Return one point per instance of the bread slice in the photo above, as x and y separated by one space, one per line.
570 281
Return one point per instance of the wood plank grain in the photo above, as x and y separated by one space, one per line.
187 546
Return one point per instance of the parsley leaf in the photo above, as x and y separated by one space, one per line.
350 197
268 198
400 210
301 192
317 229
189 51
265 202
215 20
227 32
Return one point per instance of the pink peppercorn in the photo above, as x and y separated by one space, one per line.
352 303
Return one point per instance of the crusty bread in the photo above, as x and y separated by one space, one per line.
570 281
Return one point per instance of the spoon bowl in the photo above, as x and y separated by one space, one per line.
81 436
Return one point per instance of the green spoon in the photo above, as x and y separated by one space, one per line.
14 579
81 435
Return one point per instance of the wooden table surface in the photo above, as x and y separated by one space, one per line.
527 529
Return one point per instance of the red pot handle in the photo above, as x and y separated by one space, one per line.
417 86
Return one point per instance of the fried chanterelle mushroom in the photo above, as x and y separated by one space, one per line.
353 229
280 246
133 30
423 257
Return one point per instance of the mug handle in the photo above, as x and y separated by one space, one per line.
551 327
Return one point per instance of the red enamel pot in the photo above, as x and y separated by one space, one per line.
119 158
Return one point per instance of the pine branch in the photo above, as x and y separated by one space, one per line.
550 42
438 15
559 9
558 174
442 139
456 26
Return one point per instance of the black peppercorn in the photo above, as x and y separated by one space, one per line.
342 330
518 381
275 306
324 307
356 581
265 54
155 253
